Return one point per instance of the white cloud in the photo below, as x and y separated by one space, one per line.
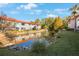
30 6
64 9
41 3
60 11
13 12
20 7
3 4
31 13
47 11
38 11
35 12
27 6
51 15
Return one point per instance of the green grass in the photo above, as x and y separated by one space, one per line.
66 45
6 52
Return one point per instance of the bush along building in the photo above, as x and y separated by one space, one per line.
8 23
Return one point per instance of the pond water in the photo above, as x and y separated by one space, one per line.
25 44
21 46
34 37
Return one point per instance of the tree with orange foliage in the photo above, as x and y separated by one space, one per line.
58 23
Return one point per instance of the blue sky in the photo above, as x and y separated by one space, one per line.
32 11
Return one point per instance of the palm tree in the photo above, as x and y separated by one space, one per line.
74 10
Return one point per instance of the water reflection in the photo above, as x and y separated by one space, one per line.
33 36
41 37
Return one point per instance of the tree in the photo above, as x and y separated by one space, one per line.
55 26
74 10
32 22
43 26
37 21
45 23
48 21
58 23
65 24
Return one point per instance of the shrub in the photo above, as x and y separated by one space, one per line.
34 28
39 47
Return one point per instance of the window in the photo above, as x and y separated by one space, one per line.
1 21
78 23
22 23
17 28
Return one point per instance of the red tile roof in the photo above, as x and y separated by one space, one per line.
14 20
7 18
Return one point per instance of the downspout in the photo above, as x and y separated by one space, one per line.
75 25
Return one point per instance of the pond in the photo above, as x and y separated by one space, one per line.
34 37
22 46
25 44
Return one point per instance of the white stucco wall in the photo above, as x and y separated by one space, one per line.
26 26
18 25
77 23
71 24
39 27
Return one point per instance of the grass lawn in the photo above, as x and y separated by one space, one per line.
67 44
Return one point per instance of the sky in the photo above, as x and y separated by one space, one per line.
32 11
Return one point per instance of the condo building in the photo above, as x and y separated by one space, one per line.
12 24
